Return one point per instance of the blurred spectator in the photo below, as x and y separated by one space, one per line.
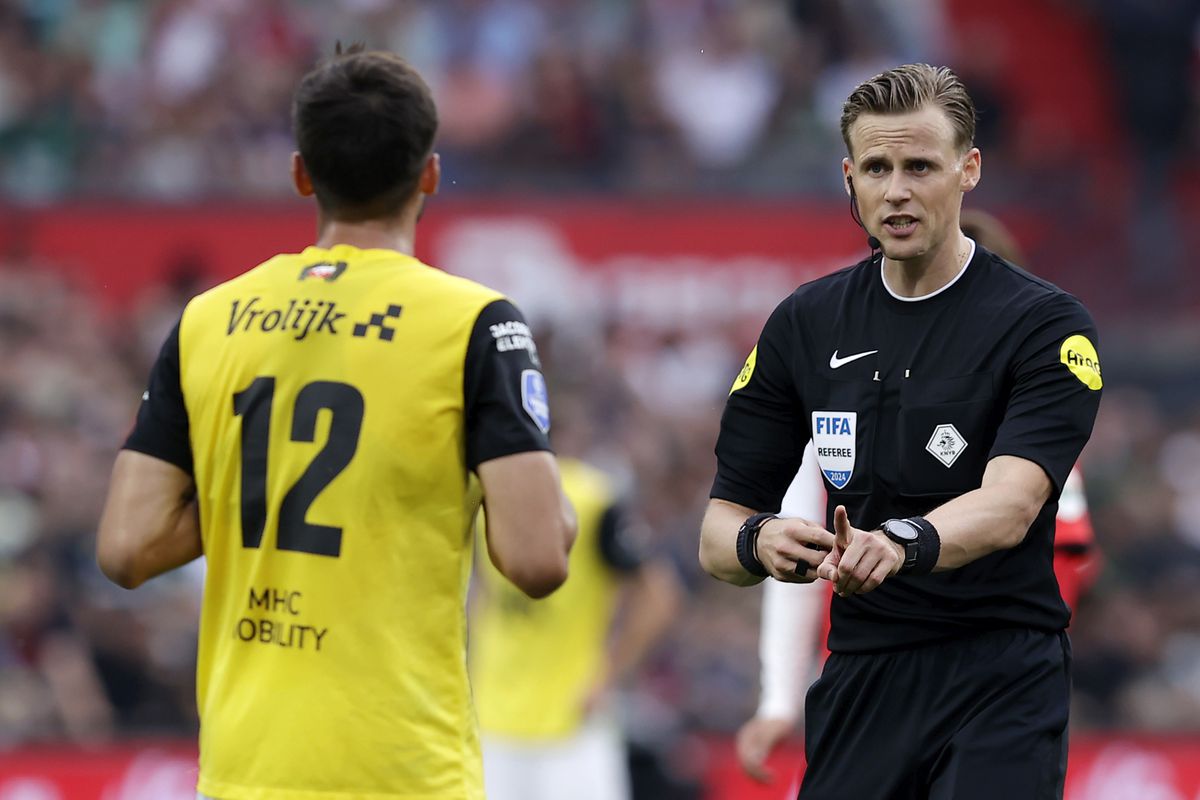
1152 49
189 98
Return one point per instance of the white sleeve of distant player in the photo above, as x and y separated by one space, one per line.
791 611
1072 503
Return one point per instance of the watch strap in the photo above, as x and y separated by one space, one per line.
929 546
747 538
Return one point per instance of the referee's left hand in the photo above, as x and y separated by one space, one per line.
860 560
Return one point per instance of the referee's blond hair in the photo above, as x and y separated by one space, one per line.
910 88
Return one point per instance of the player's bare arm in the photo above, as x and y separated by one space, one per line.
782 545
531 525
757 739
652 595
996 516
150 523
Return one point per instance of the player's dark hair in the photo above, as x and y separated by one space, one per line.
909 88
364 124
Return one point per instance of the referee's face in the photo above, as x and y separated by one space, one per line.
909 177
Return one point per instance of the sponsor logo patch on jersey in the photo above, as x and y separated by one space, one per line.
946 444
325 270
514 335
534 399
835 434
379 323
744 376
297 320
1079 354
836 362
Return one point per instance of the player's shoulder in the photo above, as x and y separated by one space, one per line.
341 264
251 278
583 477
457 285
1022 290
590 489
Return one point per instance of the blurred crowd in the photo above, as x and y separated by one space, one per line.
186 98
1086 106
179 100
83 660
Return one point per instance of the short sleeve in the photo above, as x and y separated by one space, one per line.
1055 394
507 405
763 433
161 429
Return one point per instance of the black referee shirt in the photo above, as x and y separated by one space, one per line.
906 401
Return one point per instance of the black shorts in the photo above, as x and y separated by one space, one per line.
976 718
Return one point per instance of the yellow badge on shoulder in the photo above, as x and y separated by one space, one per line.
1080 356
744 376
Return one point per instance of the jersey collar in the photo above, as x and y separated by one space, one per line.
936 292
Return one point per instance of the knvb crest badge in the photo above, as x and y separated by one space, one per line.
946 444
835 435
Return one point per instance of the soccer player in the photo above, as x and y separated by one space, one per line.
543 671
948 394
795 616
320 428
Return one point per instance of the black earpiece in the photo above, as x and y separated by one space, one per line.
872 242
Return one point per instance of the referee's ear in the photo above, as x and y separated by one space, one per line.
300 177
972 166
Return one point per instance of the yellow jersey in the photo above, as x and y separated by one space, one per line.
533 662
334 403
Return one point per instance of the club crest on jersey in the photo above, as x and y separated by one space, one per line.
535 400
835 435
325 270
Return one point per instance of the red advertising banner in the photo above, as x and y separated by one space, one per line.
1101 768
1121 767
660 262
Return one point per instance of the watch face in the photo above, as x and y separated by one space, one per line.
901 529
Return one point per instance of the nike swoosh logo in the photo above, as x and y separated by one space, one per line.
835 362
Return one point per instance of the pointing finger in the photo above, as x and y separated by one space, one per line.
841 527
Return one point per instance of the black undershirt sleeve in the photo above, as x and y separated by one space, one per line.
763 431
619 546
161 429
1051 409
507 409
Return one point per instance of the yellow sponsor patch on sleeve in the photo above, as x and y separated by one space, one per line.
744 376
1080 356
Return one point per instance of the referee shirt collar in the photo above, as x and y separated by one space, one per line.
936 292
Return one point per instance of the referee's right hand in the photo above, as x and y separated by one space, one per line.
791 548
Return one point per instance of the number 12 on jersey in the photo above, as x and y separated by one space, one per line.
253 404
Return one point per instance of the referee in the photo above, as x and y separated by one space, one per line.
947 393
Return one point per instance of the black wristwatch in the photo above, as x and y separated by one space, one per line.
920 540
746 539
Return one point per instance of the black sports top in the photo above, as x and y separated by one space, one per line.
906 401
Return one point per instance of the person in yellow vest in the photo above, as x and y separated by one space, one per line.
543 670
320 429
